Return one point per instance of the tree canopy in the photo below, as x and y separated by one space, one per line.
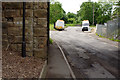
102 12
56 12
95 12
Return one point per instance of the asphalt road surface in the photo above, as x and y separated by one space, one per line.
88 55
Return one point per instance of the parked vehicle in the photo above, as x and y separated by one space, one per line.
85 25
59 25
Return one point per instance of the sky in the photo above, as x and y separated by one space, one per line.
72 5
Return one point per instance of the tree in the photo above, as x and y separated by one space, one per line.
86 11
56 11
71 15
116 12
71 18
102 12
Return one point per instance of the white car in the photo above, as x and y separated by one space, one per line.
85 25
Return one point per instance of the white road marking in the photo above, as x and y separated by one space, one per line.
72 73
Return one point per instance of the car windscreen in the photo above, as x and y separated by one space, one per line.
85 24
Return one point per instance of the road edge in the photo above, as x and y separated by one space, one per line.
43 71
71 71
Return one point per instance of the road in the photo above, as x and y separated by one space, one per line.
88 55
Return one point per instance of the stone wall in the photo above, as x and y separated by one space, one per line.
35 27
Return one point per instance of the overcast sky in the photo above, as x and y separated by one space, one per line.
72 5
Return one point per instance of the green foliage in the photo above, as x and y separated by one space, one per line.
71 20
116 12
70 25
56 12
50 40
65 18
112 39
102 12
71 15
51 27
92 26
85 12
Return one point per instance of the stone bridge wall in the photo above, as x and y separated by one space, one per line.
35 30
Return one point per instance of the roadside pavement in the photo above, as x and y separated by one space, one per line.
57 67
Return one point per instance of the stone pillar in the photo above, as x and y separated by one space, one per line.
35 27
40 29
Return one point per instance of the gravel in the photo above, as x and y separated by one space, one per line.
15 66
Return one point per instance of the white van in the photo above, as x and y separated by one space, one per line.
59 25
85 25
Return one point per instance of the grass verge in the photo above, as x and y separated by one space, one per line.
52 27
112 39
70 25
51 41
92 26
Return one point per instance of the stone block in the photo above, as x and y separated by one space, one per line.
3 15
15 39
29 38
4 44
40 32
29 47
4 28
18 21
39 46
40 40
14 31
13 47
3 19
28 13
35 20
40 13
40 53
12 5
5 25
4 31
29 30
4 37
12 13
29 21
29 5
35 5
19 47
42 5
29 54
42 23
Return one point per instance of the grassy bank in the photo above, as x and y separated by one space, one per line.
92 26
51 27
51 41
112 39
70 25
